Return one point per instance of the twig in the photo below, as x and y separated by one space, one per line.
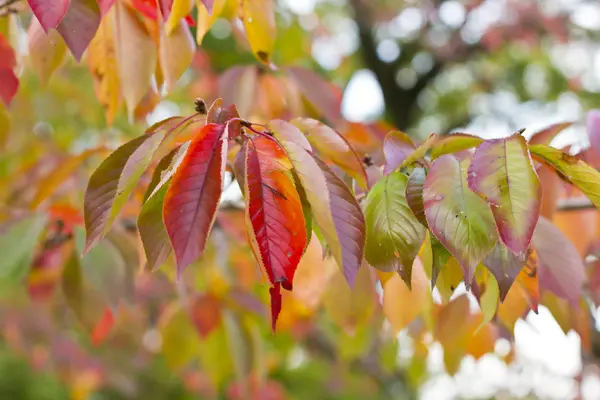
575 204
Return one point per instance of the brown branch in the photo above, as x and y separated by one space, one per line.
575 204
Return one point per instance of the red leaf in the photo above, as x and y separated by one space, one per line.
275 293
191 201
276 226
9 83
79 25
206 313
49 13
103 327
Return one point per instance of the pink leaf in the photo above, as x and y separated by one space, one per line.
49 12
396 147
593 129
9 83
561 269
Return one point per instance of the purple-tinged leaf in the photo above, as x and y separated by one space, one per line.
209 5
79 25
593 129
546 135
396 147
457 217
560 268
334 147
49 12
505 266
191 202
502 173
238 86
414 194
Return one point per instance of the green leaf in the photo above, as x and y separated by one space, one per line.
459 218
17 244
112 183
394 235
153 233
571 169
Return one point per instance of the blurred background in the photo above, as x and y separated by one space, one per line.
487 67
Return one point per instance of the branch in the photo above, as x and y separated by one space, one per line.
6 7
575 204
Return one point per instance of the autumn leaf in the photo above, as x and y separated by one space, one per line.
102 62
397 146
402 305
454 143
49 13
259 24
560 268
334 147
113 181
46 51
275 219
176 50
332 205
414 194
136 56
502 173
238 85
9 83
505 266
570 168
208 12
394 235
153 233
546 135
191 201
178 11
17 242
459 218
79 25
318 92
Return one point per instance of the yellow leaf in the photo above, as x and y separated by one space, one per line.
175 53
180 341
5 124
448 279
102 62
46 51
179 10
402 305
136 56
259 23
350 308
58 176
489 300
205 20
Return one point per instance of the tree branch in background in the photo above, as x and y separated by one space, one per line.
401 104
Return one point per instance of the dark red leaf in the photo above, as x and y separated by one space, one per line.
9 83
191 201
49 13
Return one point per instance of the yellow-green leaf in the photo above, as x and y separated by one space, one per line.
571 169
